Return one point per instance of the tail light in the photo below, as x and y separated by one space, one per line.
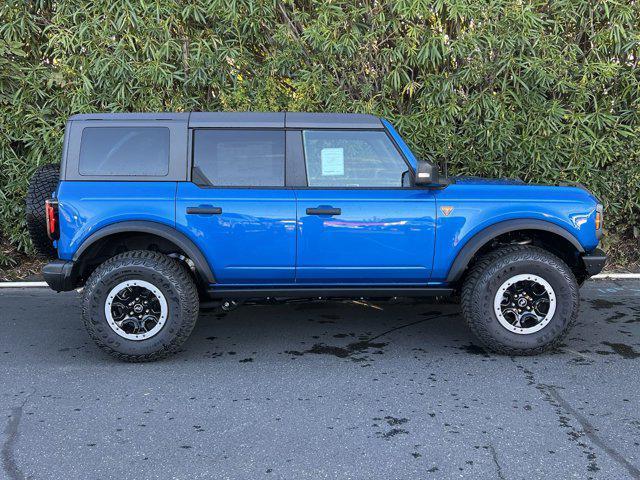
53 220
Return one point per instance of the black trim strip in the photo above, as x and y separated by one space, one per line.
329 292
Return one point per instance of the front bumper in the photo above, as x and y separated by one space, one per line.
60 275
594 262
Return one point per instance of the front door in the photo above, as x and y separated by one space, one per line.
359 219
237 209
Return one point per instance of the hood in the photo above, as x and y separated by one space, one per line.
470 180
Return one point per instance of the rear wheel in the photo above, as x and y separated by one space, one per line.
41 187
520 300
140 306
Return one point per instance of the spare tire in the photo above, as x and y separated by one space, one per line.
41 187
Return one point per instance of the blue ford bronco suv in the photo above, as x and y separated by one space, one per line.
155 214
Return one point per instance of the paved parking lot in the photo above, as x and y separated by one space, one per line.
321 390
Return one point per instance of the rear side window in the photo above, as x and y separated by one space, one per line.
238 158
352 158
135 151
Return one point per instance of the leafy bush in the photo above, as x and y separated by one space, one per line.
545 91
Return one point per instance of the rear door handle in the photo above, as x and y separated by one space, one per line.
204 210
324 211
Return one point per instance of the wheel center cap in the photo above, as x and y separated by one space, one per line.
138 308
522 302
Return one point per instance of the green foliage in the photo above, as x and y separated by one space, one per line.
545 91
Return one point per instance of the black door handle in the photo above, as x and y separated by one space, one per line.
324 211
204 210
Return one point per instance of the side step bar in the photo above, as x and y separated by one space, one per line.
329 292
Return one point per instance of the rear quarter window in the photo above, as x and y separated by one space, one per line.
116 151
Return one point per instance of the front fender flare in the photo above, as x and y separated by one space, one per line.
140 226
479 239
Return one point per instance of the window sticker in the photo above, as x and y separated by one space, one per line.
332 161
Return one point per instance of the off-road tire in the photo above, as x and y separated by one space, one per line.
42 185
168 275
484 280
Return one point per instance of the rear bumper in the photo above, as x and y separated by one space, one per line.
60 275
594 262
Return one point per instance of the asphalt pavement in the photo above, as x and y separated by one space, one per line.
340 390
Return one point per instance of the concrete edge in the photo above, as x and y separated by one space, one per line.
616 276
23 284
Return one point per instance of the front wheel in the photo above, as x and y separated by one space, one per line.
140 306
520 300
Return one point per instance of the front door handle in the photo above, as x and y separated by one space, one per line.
204 210
324 211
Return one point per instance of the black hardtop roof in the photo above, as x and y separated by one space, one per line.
247 119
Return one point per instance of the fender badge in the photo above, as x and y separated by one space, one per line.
446 210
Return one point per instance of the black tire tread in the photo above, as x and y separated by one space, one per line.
493 259
43 183
175 271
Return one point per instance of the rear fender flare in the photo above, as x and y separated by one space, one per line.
140 226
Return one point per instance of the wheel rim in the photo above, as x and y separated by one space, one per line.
136 310
525 304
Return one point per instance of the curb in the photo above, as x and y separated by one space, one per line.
616 276
600 276
23 284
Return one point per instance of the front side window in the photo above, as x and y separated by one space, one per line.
135 151
356 158
238 158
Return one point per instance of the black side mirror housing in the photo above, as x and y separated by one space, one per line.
427 175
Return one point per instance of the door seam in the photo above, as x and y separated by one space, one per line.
297 233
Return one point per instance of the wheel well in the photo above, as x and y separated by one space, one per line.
549 241
111 245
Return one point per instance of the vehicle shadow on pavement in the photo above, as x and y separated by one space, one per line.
354 330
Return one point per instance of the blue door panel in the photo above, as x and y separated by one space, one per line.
253 240
382 236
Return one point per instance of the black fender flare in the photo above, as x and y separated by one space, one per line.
482 237
142 226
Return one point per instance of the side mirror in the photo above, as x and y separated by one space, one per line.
427 175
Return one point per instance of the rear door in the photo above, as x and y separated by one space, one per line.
359 219
236 207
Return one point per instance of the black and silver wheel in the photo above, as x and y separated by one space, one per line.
520 300
525 304
136 310
140 306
